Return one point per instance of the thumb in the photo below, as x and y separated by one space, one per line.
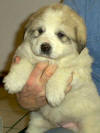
48 73
37 72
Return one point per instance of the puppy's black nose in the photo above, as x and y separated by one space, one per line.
45 48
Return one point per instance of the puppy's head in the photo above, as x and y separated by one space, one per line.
56 31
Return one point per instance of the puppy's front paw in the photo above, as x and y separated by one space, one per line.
55 97
17 77
13 83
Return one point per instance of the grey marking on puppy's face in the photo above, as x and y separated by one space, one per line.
35 33
63 37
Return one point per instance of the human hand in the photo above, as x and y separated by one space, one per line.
33 94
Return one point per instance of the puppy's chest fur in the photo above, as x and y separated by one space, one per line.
75 104
80 100
71 106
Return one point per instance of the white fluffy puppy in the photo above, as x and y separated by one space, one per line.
57 34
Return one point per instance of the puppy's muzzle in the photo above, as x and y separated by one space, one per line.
45 48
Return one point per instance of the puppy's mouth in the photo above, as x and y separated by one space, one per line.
48 56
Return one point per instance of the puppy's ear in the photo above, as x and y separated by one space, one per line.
76 22
80 33
27 25
29 21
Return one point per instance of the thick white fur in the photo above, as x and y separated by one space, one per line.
81 105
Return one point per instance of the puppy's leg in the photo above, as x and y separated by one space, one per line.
17 77
55 89
91 124
38 124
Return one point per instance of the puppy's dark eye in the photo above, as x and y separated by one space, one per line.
61 34
40 30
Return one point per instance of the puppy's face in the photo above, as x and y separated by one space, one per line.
55 32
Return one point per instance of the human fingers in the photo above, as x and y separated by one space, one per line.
70 79
68 89
37 72
48 73
16 60
69 86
